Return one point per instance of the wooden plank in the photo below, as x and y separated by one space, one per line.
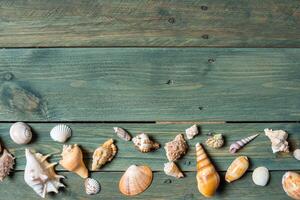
149 84
89 136
256 23
162 187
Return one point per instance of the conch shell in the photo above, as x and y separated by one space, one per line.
192 132
237 169
72 160
171 169
216 141
176 148
104 154
291 184
40 175
123 134
234 147
207 177
278 139
144 144
135 180
7 162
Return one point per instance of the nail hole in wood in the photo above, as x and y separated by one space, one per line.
211 60
187 163
170 82
204 8
205 36
167 181
171 20
200 108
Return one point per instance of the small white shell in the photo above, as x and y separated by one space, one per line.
20 133
92 186
296 154
192 132
60 133
260 176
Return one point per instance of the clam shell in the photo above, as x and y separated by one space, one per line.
92 186
296 154
237 169
291 184
20 133
135 180
260 176
60 133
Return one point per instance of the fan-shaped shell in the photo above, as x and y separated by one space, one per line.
92 186
103 154
60 133
237 169
171 169
135 180
20 133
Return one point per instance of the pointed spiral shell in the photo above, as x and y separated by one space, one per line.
234 147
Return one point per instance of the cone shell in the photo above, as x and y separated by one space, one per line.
60 133
192 132
234 147
20 133
171 169
72 160
291 184
104 154
135 180
7 162
123 134
207 177
144 144
176 148
237 169
92 186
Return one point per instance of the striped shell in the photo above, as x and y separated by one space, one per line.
92 186
135 180
171 169
20 133
207 177
123 134
291 184
60 133
234 147
237 169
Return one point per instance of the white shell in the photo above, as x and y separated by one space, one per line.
260 176
92 186
192 132
278 139
60 133
296 154
20 133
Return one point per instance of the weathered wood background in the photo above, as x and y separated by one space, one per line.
233 67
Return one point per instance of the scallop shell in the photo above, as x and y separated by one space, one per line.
291 184
123 134
237 169
192 132
278 139
176 148
103 154
296 154
144 144
215 141
207 177
40 175
60 133
171 169
234 147
7 162
20 133
135 180
72 160
260 176
92 186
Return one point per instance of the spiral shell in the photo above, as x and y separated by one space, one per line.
291 184
192 132
237 169
7 162
216 141
176 148
20 133
278 139
103 154
123 134
144 144
92 186
60 133
234 147
207 177
171 169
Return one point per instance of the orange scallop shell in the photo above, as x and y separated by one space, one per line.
291 184
237 169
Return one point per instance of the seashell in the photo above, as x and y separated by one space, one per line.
7 162
260 176
72 160
215 141
171 169
237 169
234 147
278 139
176 148
92 186
296 154
40 175
135 180
144 144
291 184
207 177
103 154
123 134
20 133
192 132
60 133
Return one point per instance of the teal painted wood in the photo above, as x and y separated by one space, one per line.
149 84
230 23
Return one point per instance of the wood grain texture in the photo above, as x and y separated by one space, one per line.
231 23
162 187
90 136
149 84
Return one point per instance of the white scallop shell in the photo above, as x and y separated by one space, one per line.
60 133
92 186
20 133
296 154
260 176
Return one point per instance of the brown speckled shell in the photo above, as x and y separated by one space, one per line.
7 162
176 148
